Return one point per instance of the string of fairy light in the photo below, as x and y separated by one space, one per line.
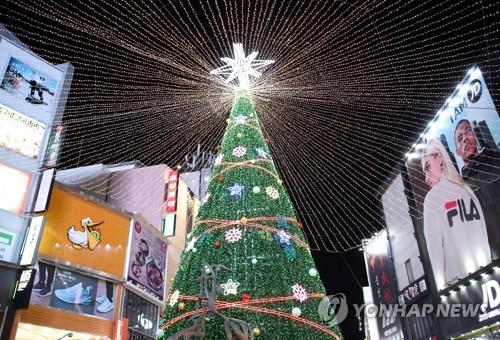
353 85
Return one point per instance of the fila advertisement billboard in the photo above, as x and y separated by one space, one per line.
454 173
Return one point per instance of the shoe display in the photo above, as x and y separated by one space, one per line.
45 291
39 285
101 299
106 306
75 294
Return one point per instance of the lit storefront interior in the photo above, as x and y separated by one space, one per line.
26 331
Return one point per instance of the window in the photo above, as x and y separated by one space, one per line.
409 271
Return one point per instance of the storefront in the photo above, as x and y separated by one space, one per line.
80 271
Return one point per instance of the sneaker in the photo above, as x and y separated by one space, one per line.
106 306
45 291
38 286
101 299
75 294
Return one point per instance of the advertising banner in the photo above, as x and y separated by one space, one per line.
19 133
28 84
73 292
454 173
83 232
381 277
14 188
148 256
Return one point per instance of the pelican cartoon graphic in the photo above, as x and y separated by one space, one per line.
88 238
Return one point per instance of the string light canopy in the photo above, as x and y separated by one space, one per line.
354 85
241 67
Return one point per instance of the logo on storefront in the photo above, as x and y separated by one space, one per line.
458 208
87 237
491 300
475 91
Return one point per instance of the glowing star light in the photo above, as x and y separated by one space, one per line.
241 67
230 287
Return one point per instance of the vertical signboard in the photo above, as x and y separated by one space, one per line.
171 199
148 257
381 277
31 242
454 172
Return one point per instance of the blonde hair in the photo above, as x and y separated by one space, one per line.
434 146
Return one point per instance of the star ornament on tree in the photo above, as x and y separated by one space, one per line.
230 287
241 67
236 190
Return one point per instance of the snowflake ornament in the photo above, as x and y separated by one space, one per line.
233 235
173 298
190 245
230 287
283 237
299 293
261 152
240 120
205 198
239 151
272 192
236 190
218 160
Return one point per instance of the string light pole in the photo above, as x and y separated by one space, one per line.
247 224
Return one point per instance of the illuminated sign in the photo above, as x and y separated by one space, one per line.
54 147
171 199
30 245
20 133
7 245
14 184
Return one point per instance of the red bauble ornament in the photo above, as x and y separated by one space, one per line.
245 297
216 244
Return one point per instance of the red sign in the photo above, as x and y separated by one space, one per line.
120 329
171 199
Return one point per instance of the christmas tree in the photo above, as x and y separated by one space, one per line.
246 270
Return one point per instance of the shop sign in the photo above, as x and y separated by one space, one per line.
120 329
31 242
7 244
171 199
24 289
83 232
20 133
413 292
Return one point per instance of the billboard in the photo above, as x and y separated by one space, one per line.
148 256
14 186
72 291
83 232
381 278
454 176
20 133
28 84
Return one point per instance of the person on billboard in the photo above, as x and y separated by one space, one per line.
454 227
481 171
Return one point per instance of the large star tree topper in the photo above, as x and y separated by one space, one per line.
241 67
